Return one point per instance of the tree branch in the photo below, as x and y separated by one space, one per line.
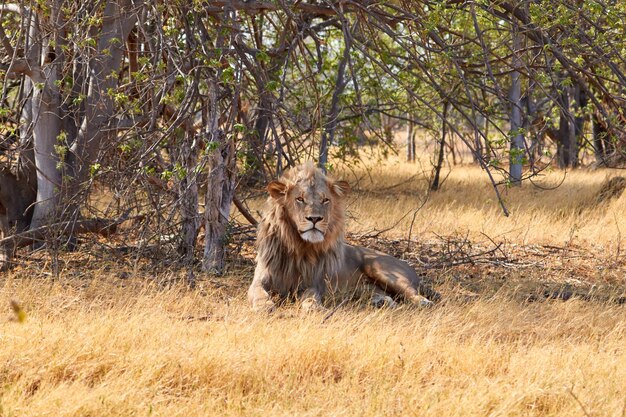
252 6
20 66
4 37
244 211
104 227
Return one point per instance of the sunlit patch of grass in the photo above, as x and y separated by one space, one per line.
555 208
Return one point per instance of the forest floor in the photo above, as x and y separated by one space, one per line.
532 320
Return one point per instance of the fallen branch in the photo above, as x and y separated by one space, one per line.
580 404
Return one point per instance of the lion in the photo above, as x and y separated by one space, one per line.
301 252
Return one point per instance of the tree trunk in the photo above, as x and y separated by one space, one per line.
220 190
187 184
328 134
219 198
47 128
257 139
567 138
515 97
410 141
601 146
442 143
580 102
26 168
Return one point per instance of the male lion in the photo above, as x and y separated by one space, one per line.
301 248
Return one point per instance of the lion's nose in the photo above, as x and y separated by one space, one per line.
314 219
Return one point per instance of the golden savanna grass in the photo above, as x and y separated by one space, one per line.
93 344
105 351
557 207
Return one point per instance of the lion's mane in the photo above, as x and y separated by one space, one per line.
292 262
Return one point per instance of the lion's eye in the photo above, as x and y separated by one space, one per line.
300 200
325 201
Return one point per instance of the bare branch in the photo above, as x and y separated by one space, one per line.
104 227
4 38
244 212
19 67
260 6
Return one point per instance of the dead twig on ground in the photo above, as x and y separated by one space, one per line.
571 392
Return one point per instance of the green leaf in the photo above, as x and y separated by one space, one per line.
272 85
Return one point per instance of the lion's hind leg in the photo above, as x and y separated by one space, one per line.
396 277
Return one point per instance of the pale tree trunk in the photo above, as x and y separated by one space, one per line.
220 190
26 168
117 23
47 122
515 97
47 129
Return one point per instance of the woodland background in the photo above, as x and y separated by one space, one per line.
484 142
164 114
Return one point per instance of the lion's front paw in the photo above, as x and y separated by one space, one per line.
421 301
425 302
310 305
263 306
381 301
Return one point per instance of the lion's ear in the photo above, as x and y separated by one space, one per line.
277 189
341 188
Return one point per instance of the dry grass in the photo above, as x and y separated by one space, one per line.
100 350
94 344
568 211
557 207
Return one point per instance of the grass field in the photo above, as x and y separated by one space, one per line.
557 208
114 337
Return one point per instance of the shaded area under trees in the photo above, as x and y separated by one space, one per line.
163 112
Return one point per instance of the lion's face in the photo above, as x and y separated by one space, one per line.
309 207
312 201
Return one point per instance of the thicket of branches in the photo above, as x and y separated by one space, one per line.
161 113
